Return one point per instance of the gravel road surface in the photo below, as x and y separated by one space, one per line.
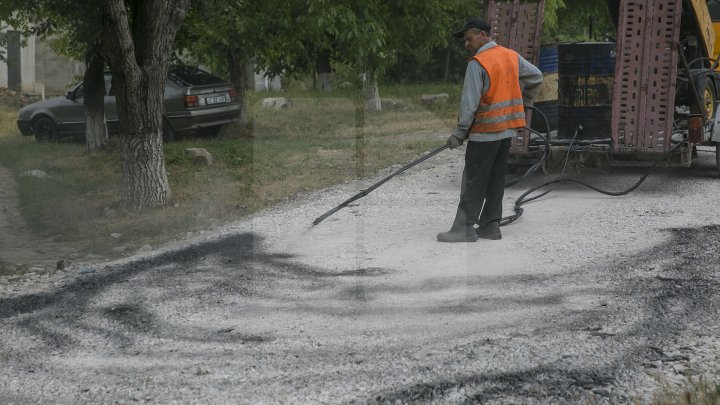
586 298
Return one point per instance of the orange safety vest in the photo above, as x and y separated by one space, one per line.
501 107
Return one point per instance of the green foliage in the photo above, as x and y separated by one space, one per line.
289 37
358 31
280 35
346 75
404 37
550 18
72 25
575 26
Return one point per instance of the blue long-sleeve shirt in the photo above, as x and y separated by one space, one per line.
476 84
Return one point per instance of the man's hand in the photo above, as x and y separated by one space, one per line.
454 142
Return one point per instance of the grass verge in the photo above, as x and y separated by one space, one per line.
321 140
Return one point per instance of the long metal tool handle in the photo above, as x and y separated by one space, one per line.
378 184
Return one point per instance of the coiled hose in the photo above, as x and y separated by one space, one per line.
525 197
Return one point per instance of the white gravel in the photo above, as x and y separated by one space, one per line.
586 298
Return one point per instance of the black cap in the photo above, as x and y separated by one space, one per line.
473 23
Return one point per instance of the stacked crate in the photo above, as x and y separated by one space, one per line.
547 100
586 74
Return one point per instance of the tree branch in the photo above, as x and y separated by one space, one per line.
119 47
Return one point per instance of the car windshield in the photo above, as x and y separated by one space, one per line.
190 76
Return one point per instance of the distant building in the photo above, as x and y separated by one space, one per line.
259 81
34 68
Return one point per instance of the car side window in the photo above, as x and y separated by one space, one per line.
108 87
78 92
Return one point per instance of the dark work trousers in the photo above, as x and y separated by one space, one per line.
483 182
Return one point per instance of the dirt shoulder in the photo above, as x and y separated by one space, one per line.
20 249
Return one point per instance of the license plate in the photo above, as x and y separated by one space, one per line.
215 100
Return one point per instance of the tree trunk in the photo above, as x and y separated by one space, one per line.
324 82
323 68
144 180
447 64
96 135
239 68
139 69
140 108
360 144
238 77
372 93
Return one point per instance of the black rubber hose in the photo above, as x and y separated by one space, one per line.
562 172
523 200
700 71
534 168
714 62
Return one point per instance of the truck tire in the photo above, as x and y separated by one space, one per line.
45 130
709 97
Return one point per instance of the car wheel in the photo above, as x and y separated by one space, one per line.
45 130
168 133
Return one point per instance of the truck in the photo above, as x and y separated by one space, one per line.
662 93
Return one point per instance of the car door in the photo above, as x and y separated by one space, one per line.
111 114
70 112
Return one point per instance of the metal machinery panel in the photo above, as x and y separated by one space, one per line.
517 24
704 21
645 71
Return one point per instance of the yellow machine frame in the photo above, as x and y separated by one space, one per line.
708 32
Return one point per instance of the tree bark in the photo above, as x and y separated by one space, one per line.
372 92
94 91
238 77
446 76
139 57
144 182
239 68
323 68
360 143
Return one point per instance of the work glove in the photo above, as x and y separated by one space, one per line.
454 142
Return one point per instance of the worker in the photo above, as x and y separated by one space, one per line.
498 83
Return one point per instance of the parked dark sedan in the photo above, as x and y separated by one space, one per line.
194 100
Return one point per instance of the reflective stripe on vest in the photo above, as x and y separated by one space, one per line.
501 107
